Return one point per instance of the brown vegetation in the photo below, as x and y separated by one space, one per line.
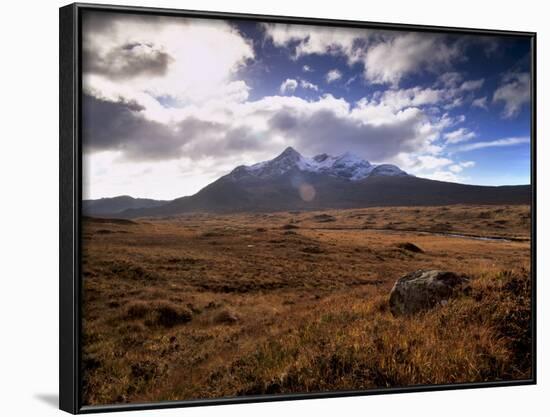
203 306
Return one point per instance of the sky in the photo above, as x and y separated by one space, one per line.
171 104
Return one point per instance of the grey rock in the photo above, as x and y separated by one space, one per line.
424 289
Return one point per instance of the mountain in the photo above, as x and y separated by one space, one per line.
347 165
293 182
115 205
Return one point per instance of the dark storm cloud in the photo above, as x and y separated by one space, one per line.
284 121
120 126
125 60
324 131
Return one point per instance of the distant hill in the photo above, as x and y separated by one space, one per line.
293 182
107 206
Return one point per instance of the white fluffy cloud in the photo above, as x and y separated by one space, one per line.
310 40
442 175
308 86
389 61
333 75
288 86
387 56
428 162
132 56
514 92
412 97
434 167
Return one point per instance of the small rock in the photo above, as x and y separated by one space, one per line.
424 289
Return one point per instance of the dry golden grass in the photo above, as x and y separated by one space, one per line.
203 306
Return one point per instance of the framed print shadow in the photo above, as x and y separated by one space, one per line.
261 208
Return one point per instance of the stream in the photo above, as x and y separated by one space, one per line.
425 232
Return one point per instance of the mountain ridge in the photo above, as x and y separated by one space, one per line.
112 205
293 182
346 165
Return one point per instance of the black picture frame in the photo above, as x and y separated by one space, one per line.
70 183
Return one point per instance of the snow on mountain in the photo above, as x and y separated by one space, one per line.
387 170
347 165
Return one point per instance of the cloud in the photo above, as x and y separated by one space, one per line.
121 126
389 61
459 135
437 99
513 92
386 56
430 166
449 79
447 176
127 61
494 144
472 85
288 86
307 85
125 128
161 95
315 132
308 40
480 102
259 128
368 129
333 75
127 55
459 167
411 97
428 162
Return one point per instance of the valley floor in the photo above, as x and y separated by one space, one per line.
206 305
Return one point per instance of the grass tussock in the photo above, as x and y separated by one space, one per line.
483 336
159 313
226 317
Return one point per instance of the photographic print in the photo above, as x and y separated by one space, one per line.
274 208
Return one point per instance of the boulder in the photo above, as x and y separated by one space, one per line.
424 289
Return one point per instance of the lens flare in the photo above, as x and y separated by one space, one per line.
307 192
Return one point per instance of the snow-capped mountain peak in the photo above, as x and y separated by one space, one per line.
289 152
346 165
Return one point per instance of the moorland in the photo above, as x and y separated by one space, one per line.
213 305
